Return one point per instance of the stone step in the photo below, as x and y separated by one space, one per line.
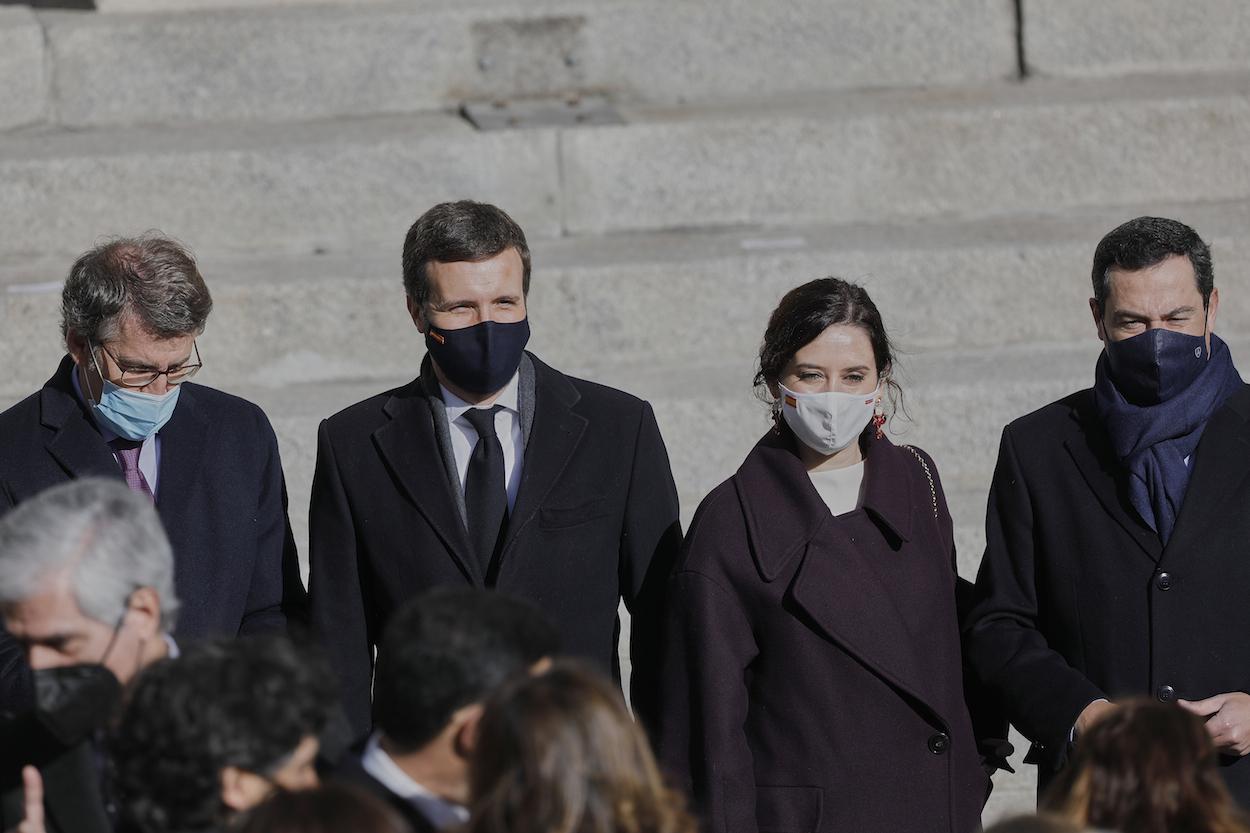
824 159
1119 37
303 61
24 93
649 300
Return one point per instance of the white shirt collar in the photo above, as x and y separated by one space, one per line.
439 811
508 398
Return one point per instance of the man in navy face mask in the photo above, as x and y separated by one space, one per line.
1118 536
490 469
121 405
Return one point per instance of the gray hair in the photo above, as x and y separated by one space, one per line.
109 537
150 277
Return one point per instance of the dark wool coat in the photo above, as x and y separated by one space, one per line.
595 522
813 676
221 498
1078 599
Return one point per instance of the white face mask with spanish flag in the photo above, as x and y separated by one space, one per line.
827 422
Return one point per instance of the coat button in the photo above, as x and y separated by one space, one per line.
1163 581
1166 694
939 743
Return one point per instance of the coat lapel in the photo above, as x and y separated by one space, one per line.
1221 465
553 438
1104 475
835 586
75 443
409 447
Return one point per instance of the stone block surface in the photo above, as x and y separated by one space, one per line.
23 68
1119 37
285 188
276 63
872 157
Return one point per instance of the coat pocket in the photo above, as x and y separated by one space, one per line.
788 809
558 517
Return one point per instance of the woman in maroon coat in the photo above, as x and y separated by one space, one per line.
813 679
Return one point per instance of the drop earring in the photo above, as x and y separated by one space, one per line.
878 421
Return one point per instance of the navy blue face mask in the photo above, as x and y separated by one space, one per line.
1156 365
482 358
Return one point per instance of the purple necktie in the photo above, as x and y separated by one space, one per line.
127 453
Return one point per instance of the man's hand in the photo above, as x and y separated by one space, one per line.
32 788
1091 714
1228 720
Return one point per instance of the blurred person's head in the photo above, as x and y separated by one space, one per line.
217 730
330 808
440 657
1147 767
558 752
87 578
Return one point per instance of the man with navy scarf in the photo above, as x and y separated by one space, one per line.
1117 559
489 469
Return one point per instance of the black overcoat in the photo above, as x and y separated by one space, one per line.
595 521
812 679
221 497
1078 599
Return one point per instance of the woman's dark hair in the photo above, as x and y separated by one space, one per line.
246 703
807 311
1148 767
330 808
559 753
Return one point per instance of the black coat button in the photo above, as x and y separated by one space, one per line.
1163 581
939 743
1166 694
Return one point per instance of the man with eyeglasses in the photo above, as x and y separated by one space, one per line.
120 406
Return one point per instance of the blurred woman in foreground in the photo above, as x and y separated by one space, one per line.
560 753
1147 767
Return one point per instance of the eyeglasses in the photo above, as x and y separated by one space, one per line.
141 378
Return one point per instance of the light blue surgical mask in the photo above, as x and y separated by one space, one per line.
130 413
134 415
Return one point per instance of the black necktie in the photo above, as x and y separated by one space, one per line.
485 495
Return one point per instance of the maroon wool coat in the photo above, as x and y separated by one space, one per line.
812 680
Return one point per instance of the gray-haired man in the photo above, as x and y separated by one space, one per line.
87 590
119 406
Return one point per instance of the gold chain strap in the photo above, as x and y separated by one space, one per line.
928 475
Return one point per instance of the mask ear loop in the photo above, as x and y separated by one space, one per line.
121 622
87 388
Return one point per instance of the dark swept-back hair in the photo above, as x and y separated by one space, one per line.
245 703
150 277
447 649
1148 767
1148 241
807 311
330 808
451 232
560 752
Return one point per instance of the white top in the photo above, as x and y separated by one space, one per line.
149 452
507 427
840 489
438 811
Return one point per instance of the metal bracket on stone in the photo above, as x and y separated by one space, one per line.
569 111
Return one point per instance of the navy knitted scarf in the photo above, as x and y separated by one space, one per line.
1153 441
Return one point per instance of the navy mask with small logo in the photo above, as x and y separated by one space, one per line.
482 358
1156 365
